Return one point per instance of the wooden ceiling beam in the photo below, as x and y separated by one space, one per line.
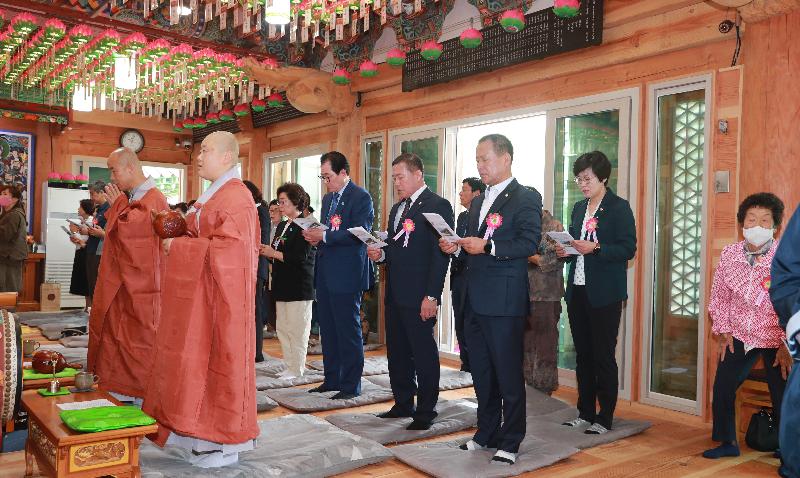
74 17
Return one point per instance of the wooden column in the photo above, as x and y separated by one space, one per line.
258 146
770 144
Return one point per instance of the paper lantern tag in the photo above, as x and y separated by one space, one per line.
339 31
383 16
195 12
366 22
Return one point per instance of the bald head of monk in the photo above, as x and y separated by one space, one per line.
219 152
125 168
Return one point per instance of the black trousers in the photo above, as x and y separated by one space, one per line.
594 333
495 350
413 362
262 313
731 373
458 316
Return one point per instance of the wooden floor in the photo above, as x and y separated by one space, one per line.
671 448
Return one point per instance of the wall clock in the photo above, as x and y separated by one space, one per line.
132 139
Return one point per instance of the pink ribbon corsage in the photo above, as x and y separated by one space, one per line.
764 289
591 228
407 229
493 222
336 221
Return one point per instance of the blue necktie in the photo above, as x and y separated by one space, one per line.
334 205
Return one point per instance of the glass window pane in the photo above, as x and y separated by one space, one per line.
679 203
373 182
576 135
280 172
168 180
428 150
308 177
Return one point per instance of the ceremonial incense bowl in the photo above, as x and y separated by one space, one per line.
169 224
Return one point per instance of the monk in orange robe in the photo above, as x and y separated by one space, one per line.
124 316
203 396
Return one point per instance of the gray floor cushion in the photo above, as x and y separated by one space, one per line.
449 379
446 460
264 403
549 427
454 415
34 319
317 349
75 341
53 330
538 403
268 381
372 365
300 400
271 365
290 446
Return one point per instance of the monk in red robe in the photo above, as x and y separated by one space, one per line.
124 316
203 396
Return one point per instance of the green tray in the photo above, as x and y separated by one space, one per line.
31 374
46 393
99 419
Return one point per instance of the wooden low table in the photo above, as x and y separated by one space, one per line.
61 452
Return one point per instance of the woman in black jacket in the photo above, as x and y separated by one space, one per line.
292 280
605 233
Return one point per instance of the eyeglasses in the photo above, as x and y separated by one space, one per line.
584 180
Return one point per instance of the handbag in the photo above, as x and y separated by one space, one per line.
762 432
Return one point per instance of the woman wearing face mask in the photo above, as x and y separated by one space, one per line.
743 319
13 247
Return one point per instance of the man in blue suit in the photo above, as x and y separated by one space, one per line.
415 279
504 228
342 274
470 189
785 294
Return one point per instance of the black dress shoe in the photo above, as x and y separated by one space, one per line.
392 414
343 396
322 388
419 425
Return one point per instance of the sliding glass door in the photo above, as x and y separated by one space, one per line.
603 126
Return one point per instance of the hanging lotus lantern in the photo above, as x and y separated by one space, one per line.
368 69
226 114
242 109
199 122
258 105
431 50
396 57
566 8
341 76
178 127
275 100
513 21
23 23
471 38
53 177
212 118
82 179
68 178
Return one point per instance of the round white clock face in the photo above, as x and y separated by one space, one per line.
132 139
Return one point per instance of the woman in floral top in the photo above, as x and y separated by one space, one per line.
743 319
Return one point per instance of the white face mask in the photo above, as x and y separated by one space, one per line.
757 236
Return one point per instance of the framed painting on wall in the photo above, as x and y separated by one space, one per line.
16 166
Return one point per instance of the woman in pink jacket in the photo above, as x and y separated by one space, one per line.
743 319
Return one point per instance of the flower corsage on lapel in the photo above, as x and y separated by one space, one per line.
591 228
407 229
336 221
493 223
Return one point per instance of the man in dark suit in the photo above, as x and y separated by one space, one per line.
785 294
470 189
503 230
342 274
415 279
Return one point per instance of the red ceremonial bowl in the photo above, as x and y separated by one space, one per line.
169 224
